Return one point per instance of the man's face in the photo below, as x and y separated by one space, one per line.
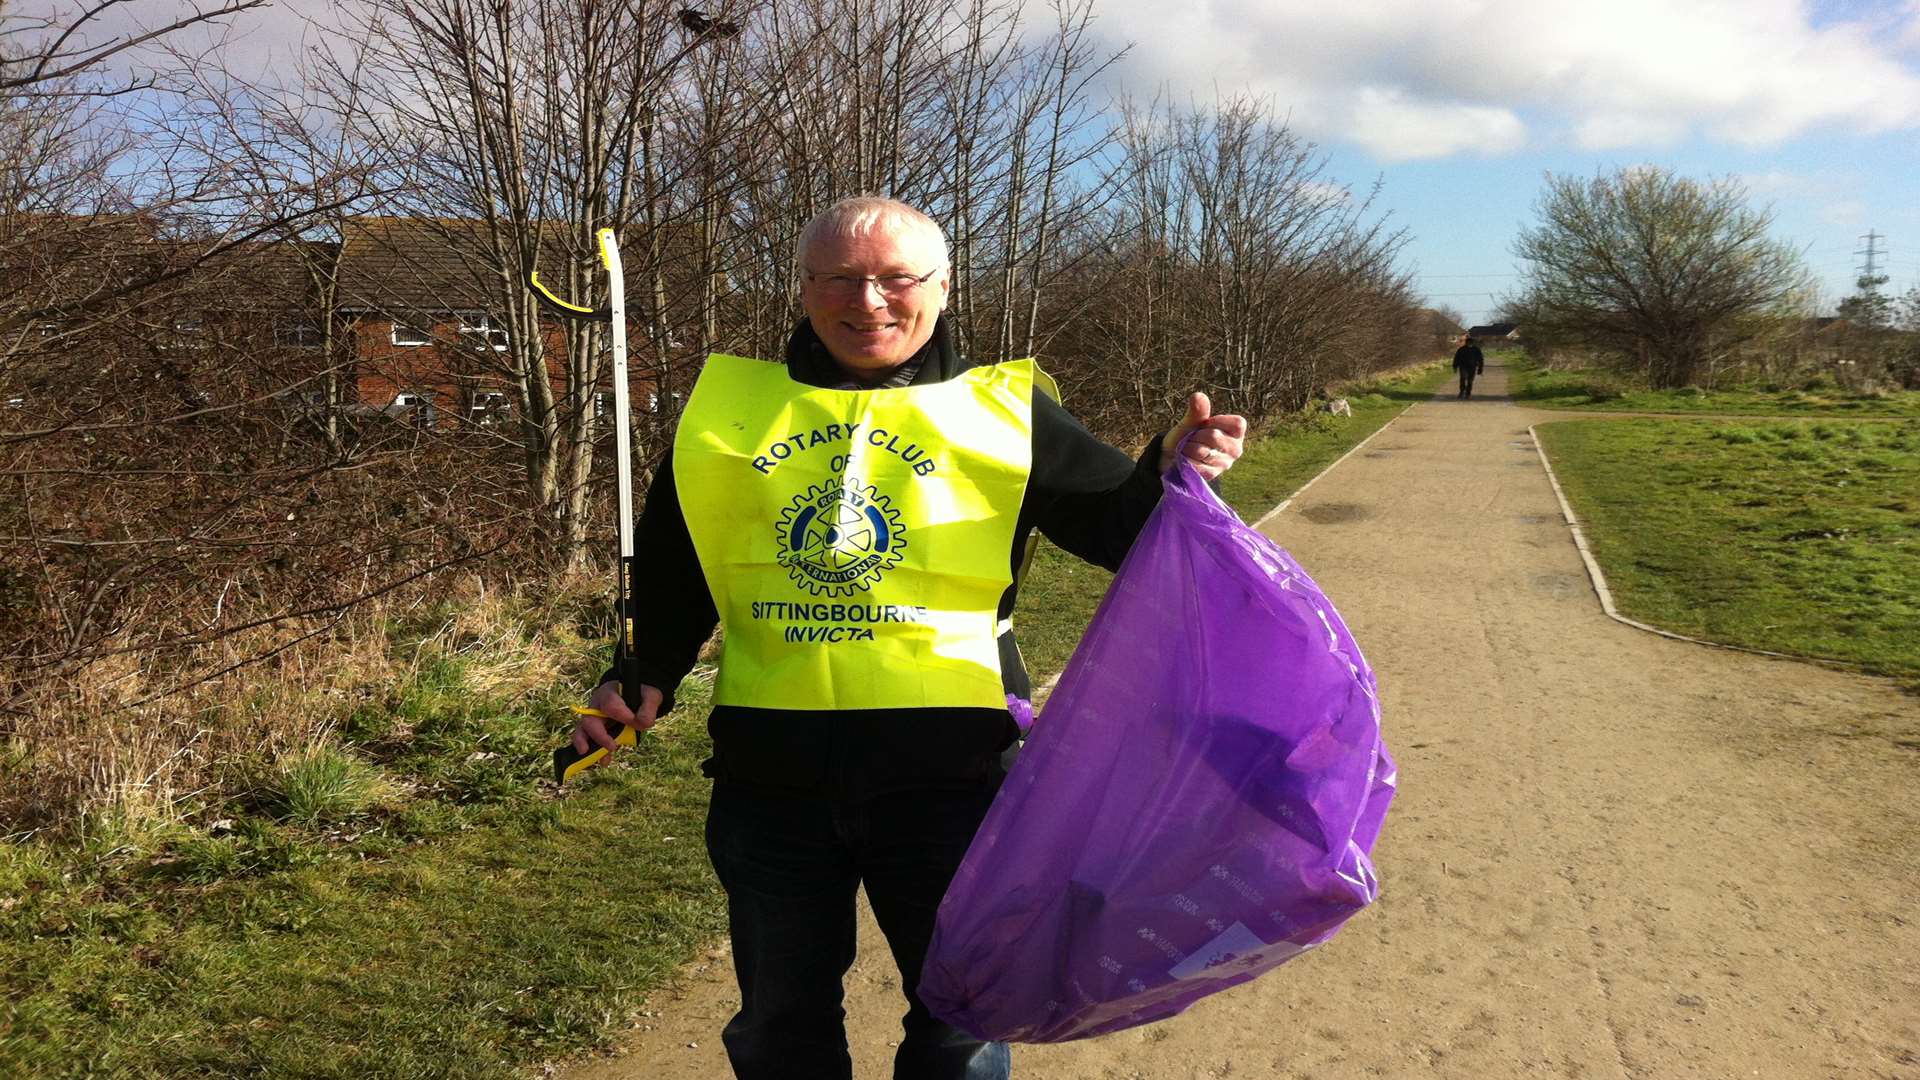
871 331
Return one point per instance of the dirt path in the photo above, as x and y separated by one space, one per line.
1612 855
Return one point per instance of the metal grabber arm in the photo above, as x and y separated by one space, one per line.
568 762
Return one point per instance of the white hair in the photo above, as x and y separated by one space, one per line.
862 215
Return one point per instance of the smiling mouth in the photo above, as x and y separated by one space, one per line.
874 329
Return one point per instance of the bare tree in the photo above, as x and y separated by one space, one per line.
1660 272
1234 265
519 129
1904 366
148 509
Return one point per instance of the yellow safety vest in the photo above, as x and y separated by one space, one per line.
856 542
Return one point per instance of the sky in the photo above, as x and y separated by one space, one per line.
1460 107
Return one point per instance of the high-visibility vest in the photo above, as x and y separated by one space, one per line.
856 542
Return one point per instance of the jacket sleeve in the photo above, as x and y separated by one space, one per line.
676 611
1084 495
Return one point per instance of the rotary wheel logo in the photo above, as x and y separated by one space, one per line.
836 541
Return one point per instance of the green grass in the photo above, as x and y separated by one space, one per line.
1598 390
1790 536
408 899
324 785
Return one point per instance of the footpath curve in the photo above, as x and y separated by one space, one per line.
1613 855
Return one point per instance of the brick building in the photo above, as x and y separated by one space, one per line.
417 300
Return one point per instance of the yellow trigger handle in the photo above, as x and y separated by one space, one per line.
569 763
546 294
606 247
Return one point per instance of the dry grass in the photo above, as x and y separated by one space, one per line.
90 754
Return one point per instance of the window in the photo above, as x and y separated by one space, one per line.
414 407
484 327
296 334
489 407
405 333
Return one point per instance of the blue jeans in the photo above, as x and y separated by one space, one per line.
791 867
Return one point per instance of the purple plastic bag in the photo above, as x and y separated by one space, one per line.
1195 805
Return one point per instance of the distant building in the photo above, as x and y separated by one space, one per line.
408 308
1505 331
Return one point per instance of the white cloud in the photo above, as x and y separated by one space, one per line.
254 44
1394 126
1614 130
1909 27
1816 185
1325 193
1423 78
1848 212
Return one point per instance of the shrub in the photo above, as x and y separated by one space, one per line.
324 784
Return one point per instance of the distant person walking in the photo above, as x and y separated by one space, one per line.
1469 361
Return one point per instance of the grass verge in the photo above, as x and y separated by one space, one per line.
405 899
1800 537
1590 389
459 923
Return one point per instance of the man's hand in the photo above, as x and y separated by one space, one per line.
1218 444
591 731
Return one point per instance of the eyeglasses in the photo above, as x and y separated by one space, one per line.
892 286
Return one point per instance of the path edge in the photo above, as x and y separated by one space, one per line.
1301 490
1046 687
1599 579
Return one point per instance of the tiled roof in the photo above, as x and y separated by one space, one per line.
427 264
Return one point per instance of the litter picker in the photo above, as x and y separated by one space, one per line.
568 762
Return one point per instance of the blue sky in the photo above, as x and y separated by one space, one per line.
1460 106
1826 191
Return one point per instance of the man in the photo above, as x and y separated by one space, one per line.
854 518
1468 361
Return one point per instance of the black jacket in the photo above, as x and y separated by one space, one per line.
1082 494
1469 358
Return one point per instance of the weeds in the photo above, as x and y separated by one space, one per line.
249 849
325 785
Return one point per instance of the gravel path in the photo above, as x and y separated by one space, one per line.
1612 854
